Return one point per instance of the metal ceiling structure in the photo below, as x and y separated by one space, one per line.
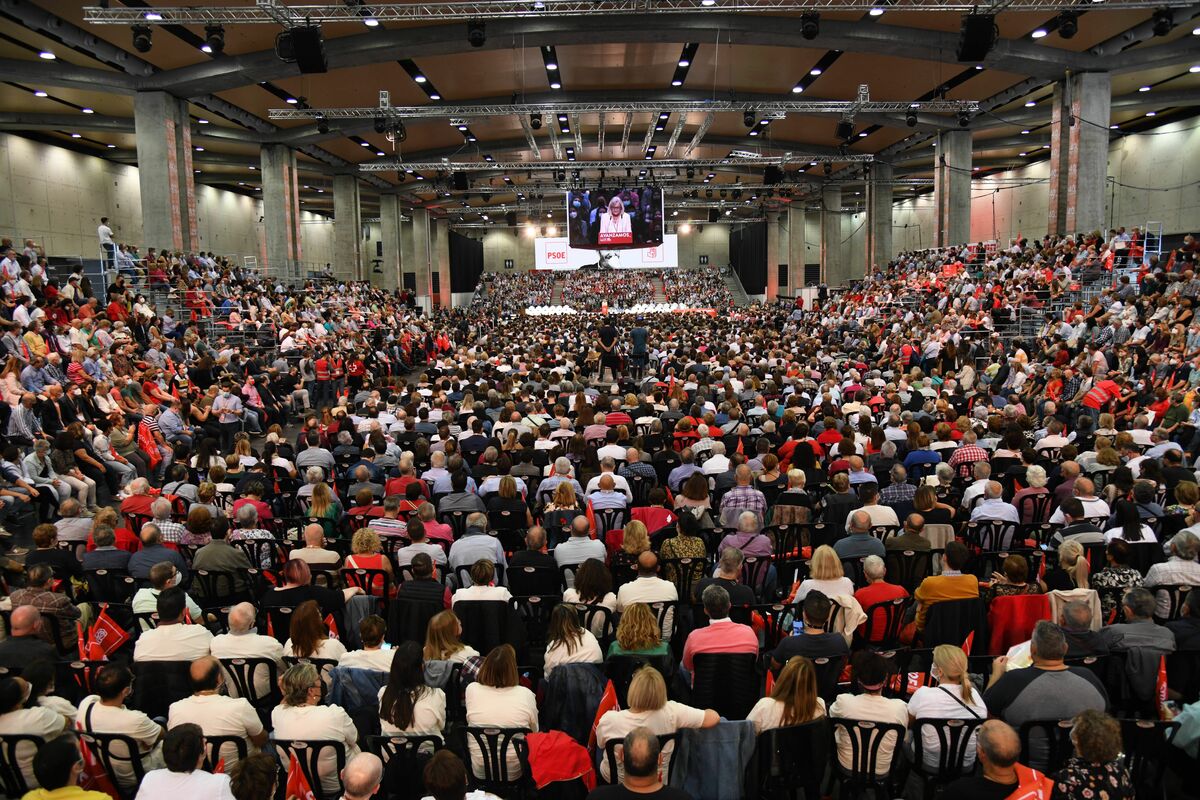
272 12
592 165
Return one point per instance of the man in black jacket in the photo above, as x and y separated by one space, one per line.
423 585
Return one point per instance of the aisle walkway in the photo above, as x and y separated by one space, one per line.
660 290
556 297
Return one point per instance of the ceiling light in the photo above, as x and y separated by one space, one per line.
1195 31
814 71
153 16
659 128
254 167
111 146
380 153
979 66
677 83
1025 132
754 133
555 85
1143 88
204 48
199 149
1045 147
76 136
1151 113
1113 127
365 144
241 183
291 101
40 93
87 111
462 128
876 11
1040 33
862 134
1194 69
370 22
419 78
1030 103
1022 154
202 122
663 115
550 65
1068 24
797 89
142 41
683 62
435 96
708 2
46 54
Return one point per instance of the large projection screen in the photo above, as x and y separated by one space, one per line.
557 253
615 218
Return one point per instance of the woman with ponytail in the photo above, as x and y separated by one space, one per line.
1073 570
954 697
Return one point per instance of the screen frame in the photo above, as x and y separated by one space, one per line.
576 241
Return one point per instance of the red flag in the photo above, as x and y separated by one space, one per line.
916 680
94 777
333 628
297 784
608 702
80 641
970 640
1160 690
770 683
107 635
219 769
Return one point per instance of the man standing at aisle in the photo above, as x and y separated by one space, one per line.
107 247
609 357
639 354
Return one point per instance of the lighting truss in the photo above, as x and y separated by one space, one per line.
533 145
672 187
776 109
634 164
700 132
273 12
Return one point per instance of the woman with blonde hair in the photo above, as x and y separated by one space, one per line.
507 498
638 634
793 699
365 547
635 540
825 575
325 507
1072 572
443 642
649 708
497 699
955 697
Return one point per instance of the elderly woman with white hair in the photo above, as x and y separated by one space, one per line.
1035 484
1181 569
794 504
312 476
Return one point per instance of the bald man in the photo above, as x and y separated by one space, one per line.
361 776
648 588
579 548
1093 506
742 497
997 747
995 507
244 641
606 495
24 643
216 714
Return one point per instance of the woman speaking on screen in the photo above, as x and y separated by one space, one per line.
615 227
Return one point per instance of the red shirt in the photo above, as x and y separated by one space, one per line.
398 485
125 540
724 636
1101 393
877 593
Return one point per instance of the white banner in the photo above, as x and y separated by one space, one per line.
557 254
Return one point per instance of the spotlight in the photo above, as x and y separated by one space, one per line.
691 173
810 25
828 168
535 121
1164 20
910 118
380 125
399 133
1068 24
322 126
748 119
214 37
141 38
845 129
964 119
976 37
476 34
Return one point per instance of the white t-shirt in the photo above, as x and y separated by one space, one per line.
380 660
173 643
331 649
587 651
830 588
249 645
511 707
481 593
668 719
868 707
767 714
649 590
319 722
1119 533
931 702
429 714
105 234
38 721
135 724
217 716
195 785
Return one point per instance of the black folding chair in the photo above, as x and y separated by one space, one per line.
729 683
955 743
494 744
404 757
881 630
308 755
216 750
112 749
14 748
1046 743
867 740
375 583
908 568
789 758
1145 745
242 674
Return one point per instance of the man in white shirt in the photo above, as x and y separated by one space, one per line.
243 641
1053 437
982 472
37 720
107 247
609 467
105 712
376 654
216 714
1093 506
717 461
314 552
184 752
648 588
994 507
172 640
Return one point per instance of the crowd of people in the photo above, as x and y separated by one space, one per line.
877 503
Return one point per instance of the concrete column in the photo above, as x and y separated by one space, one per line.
879 215
1079 153
441 261
795 248
832 271
772 256
389 234
347 228
952 187
423 254
281 210
164 154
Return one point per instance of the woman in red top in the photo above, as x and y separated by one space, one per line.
365 547
355 371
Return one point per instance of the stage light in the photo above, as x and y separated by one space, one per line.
1039 33
748 119
381 125
142 38
976 37
214 38
535 121
964 119
47 55
810 25
476 34
910 119
1164 21
1068 24
322 126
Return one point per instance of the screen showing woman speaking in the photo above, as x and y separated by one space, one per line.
615 218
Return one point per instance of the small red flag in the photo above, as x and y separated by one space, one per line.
608 702
770 683
1160 690
107 635
297 784
333 628
970 640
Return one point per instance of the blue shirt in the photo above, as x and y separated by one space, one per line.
33 379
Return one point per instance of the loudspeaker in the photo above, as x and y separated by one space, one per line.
713 215
510 219
304 46
461 181
772 176
977 37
